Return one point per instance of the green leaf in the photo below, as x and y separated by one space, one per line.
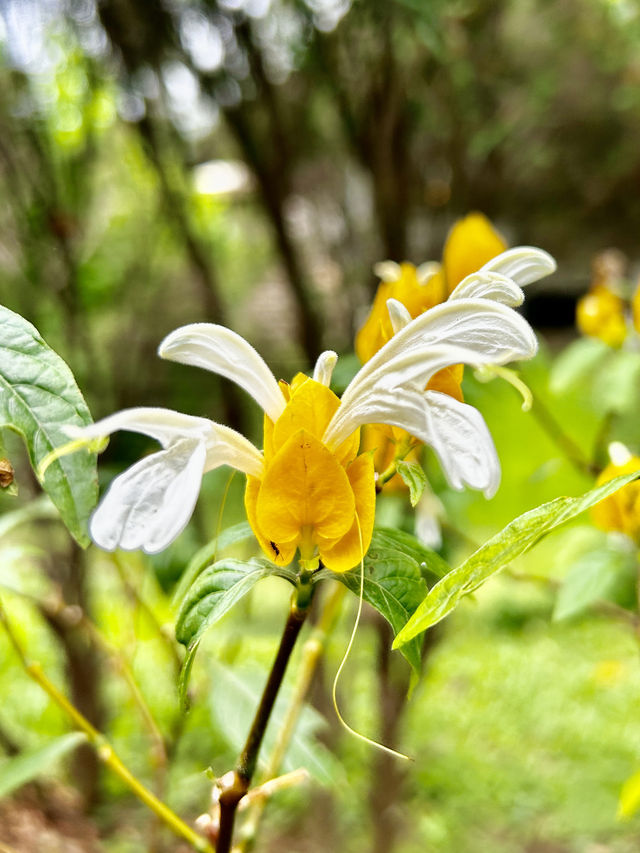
22 768
615 386
394 582
576 363
38 398
607 573
414 477
208 554
516 538
233 701
215 592
185 675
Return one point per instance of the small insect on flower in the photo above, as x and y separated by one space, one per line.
311 489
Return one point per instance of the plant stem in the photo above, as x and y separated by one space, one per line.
104 750
238 785
568 446
311 653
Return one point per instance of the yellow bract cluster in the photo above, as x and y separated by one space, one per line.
603 313
620 511
471 242
310 497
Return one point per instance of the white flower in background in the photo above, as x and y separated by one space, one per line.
148 505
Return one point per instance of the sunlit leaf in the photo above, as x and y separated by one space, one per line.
20 769
414 477
577 363
629 801
516 538
38 398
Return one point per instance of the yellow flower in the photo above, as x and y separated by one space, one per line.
471 243
601 314
620 511
308 490
602 311
308 496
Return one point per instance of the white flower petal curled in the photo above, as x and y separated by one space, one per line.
494 332
323 371
463 444
150 504
456 431
222 351
489 285
523 264
398 314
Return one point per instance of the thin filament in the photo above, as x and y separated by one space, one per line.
341 719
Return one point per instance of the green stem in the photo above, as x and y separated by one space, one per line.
311 653
238 785
568 446
103 747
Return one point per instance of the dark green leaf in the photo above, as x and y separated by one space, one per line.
22 768
38 398
516 538
393 580
209 553
414 477
215 592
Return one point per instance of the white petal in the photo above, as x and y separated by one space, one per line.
165 425
463 444
456 431
523 264
222 351
398 314
493 332
387 270
489 285
426 271
323 370
225 446
150 504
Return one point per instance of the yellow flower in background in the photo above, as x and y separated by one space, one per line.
471 242
620 511
601 314
604 312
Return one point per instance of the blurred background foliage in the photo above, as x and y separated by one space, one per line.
246 162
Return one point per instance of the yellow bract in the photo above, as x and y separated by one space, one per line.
601 314
620 511
471 243
416 297
310 497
